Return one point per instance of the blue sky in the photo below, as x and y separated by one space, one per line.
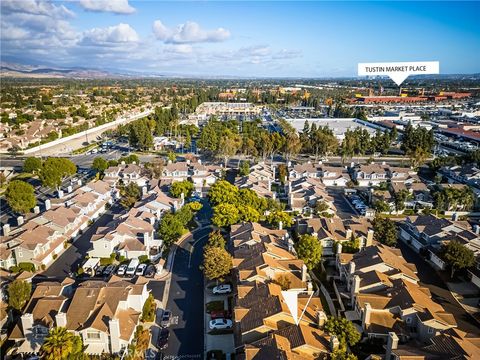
296 39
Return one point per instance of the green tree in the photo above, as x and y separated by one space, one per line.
217 263
244 168
274 218
223 192
225 214
385 231
140 134
54 170
170 229
341 354
178 187
100 164
18 294
130 194
344 330
229 144
248 214
400 198
149 308
61 344
32 165
216 239
457 256
195 206
381 206
309 250
20 196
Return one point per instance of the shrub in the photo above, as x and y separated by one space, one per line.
26 266
143 259
65 244
14 269
106 261
54 256
43 267
149 309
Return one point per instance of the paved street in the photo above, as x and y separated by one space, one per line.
437 286
75 254
344 209
185 299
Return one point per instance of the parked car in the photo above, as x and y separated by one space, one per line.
132 266
165 322
140 269
150 271
109 270
222 289
219 324
122 269
220 314
99 270
162 341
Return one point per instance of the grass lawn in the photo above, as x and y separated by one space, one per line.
215 305
84 149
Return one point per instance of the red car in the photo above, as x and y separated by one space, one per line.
220 314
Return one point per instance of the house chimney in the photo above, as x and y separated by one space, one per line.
321 318
367 310
27 323
144 190
392 344
200 161
476 229
274 195
20 220
369 241
304 272
280 225
61 319
114 327
352 267
79 182
188 162
334 343
36 210
309 287
60 194
349 234
175 206
48 204
289 164
274 171
339 248
455 217
6 229
269 185
69 188
182 197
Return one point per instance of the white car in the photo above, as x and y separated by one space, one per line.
121 270
219 324
140 269
222 289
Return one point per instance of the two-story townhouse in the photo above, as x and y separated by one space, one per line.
290 343
133 173
204 176
104 314
305 193
405 308
401 174
464 174
306 170
130 236
370 175
335 231
250 233
177 171
334 176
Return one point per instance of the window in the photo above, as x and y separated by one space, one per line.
409 320
20 254
94 335
430 330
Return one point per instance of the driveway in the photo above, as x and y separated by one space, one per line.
344 208
71 258
224 342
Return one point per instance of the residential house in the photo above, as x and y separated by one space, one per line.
334 176
104 314
248 234
401 174
463 174
305 193
306 170
370 175
332 231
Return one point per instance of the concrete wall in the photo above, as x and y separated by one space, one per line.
96 129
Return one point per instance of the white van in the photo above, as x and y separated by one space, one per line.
132 266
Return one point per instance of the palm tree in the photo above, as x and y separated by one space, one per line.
60 344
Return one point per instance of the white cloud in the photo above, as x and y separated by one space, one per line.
188 33
35 7
121 33
115 6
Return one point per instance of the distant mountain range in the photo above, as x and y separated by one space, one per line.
18 70
8 69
